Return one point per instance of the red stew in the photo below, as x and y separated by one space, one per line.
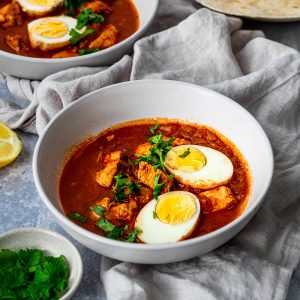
79 190
120 21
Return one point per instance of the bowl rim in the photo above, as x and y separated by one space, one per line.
136 35
150 247
45 231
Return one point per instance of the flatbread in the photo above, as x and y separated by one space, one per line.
269 9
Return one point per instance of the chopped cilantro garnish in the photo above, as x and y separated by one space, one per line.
30 274
157 186
88 51
154 214
72 5
76 36
87 16
153 128
158 151
185 153
77 217
123 187
131 237
112 231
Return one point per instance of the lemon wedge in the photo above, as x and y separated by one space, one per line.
10 145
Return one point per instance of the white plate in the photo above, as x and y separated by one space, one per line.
259 16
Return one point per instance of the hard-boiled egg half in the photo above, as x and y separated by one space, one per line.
51 32
169 219
39 7
198 166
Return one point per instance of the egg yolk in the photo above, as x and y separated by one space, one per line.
41 2
50 29
175 208
185 159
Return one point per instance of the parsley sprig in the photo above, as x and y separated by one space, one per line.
159 186
87 16
123 187
30 274
77 217
112 231
88 51
77 36
158 151
131 237
185 153
72 5
153 128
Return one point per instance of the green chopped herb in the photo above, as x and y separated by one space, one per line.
30 274
88 51
76 36
112 231
185 153
158 151
123 187
87 16
72 5
157 186
77 217
154 214
131 237
153 128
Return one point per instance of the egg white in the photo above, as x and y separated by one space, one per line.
39 9
217 171
44 43
155 231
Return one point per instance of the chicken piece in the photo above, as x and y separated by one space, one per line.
146 194
122 212
145 173
14 41
143 149
65 53
105 202
10 15
97 7
217 199
179 142
105 176
106 39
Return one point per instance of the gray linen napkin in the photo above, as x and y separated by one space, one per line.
211 50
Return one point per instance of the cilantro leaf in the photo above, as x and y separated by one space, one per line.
154 214
76 36
88 51
160 147
185 153
77 217
87 16
131 237
72 5
157 186
112 231
123 187
154 127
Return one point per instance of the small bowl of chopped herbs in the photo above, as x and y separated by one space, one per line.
37 264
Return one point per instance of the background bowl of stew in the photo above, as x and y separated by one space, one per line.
39 68
149 99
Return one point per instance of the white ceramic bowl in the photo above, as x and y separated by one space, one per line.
39 68
53 244
143 99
